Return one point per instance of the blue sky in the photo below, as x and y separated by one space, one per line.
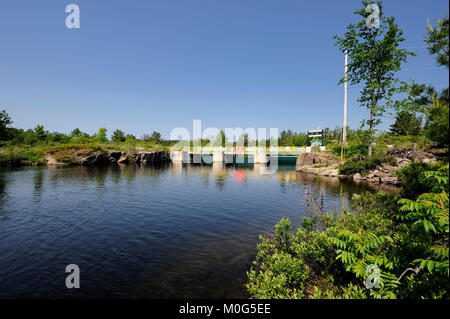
155 65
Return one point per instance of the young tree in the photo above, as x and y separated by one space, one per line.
437 124
420 96
437 40
406 124
243 139
300 139
374 58
118 136
5 120
40 133
156 137
286 138
101 135
76 133
220 140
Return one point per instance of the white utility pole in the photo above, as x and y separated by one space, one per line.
344 125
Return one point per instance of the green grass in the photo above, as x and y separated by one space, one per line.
20 155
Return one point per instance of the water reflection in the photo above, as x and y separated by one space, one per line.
220 174
176 230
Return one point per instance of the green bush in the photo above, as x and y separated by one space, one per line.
406 240
364 165
412 179
21 156
437 125
11 160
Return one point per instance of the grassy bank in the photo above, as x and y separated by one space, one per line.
21 155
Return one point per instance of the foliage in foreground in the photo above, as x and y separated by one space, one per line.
403 241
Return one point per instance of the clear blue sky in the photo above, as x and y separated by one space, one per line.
156 65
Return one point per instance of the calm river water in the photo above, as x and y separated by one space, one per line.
146 232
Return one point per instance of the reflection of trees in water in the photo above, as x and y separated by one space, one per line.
315 188
314 200
3 183
322 183
3 213
38 179
286 178
205 176
100 174
334 185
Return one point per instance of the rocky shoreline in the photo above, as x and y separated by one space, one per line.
316 163
115 157
328 165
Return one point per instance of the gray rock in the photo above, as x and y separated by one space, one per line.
88 160
148 158
313 158
115 155
390 180
123 159
104 159
357 177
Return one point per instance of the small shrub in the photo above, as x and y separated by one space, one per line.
11 160
413 180
364 165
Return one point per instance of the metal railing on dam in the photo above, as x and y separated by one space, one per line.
229 154
282 150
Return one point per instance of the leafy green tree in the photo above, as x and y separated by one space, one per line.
407 124
374 58
118 136
220 139
59 137
78 133
101 135
299 139
5 120
437 40
156 137
420 96
286 138
437 124
40 133
243 139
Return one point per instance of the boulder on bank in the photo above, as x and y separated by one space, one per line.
52 161
317 163
407 155
314 158
107 158
328 165
386 173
